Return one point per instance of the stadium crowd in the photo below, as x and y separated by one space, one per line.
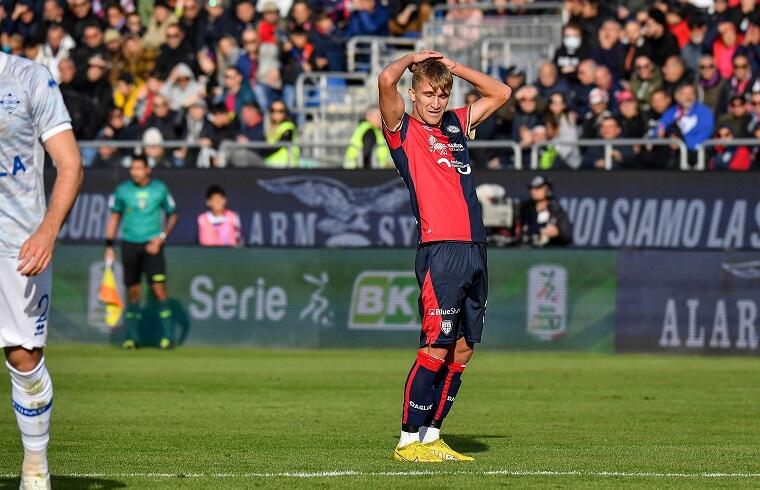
214 70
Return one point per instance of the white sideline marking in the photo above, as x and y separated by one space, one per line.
348 473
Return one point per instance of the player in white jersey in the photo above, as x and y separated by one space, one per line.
33 118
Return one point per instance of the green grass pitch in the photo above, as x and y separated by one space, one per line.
234 418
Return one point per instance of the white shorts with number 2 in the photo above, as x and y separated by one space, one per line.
24 306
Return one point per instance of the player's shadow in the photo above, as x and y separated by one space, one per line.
469 443
69 482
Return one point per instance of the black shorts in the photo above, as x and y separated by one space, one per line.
453 279
137 261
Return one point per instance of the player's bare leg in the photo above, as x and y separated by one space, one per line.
165 312
32 395
133 316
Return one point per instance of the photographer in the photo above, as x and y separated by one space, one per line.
543 222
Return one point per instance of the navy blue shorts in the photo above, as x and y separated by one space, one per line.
453 279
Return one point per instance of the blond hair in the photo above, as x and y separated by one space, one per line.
435 73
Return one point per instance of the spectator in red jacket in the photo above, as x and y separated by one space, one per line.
737 158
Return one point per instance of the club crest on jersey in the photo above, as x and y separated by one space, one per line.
10 102
436 146
446 326
452 129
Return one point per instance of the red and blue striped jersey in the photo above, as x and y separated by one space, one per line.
435 165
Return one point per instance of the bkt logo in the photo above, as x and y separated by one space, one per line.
384 300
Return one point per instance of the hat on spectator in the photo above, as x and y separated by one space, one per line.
657 16
152 137
182 70
198 102
111 35
513 70
270 6
598 96
97 60
624 96
539 181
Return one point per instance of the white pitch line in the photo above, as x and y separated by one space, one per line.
410 473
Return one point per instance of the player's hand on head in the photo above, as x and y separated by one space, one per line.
36 253
422 56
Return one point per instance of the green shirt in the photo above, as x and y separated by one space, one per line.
140 209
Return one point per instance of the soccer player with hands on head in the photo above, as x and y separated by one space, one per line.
429 149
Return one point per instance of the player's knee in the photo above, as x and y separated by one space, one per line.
463 352
23 360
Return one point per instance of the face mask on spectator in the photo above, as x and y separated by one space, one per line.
572 42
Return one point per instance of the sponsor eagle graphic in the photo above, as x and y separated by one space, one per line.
743 270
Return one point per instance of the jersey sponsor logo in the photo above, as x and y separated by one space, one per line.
437 146
18 166
446 326
450 398
443 311
452 129
10 102
461 167
456 147
384 300
424 408
547 302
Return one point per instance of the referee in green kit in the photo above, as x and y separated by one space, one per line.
139 202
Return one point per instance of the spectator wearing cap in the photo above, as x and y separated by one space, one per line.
369 18
568 56
736 158
661 44
635 45
112 42
724 48
155 152
622 156
645 80
609 51
561 125
599 103
696 45
176 50
582 89
689 120
160 20
271 26
738 117
542 220
260 66
549 81
57 47
674 74
329 44
632 123
711 87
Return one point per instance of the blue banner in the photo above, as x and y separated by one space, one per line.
688 302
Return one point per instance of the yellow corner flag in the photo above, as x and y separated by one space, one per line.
109 294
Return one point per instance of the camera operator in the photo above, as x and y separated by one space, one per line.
543 222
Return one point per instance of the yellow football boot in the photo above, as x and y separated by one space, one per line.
416 452
444 452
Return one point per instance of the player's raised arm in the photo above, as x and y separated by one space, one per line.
391 102
494 93
37 251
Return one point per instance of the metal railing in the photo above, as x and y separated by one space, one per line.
609 148
379 51
711 143
526 54
310 152
442 9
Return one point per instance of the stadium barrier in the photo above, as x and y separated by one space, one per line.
557 299
370 208
751 143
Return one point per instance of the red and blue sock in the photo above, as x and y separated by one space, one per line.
418 392
447 383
